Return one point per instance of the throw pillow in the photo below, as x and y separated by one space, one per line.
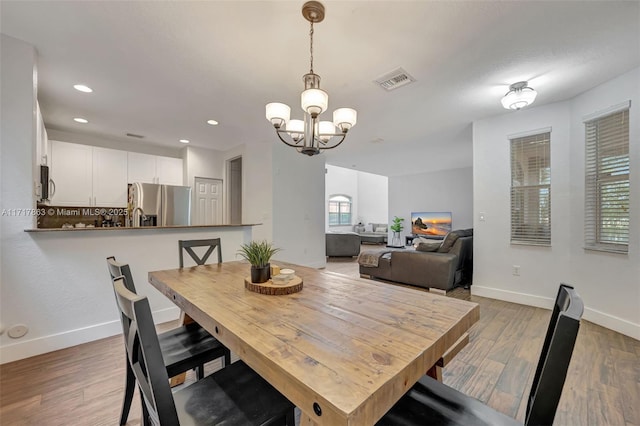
381 229
368 228
428 246
448 242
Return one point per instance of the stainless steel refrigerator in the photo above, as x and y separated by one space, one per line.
160 205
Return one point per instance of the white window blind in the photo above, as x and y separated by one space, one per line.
531 189
607 183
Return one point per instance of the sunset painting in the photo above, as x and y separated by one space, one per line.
431 223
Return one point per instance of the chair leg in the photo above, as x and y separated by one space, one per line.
145 412
200 372
129 387
227 358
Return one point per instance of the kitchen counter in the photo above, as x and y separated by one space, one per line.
147 228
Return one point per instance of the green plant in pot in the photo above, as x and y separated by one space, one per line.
396 227
258 254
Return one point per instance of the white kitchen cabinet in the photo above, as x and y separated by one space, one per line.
71 173
109 177
147 168
86 176
169 170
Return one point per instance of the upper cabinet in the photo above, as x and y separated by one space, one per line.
147 168
88 176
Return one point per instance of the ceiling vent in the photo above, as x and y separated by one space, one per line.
394 79
133 135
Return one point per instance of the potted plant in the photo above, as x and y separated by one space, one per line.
396 227
258 254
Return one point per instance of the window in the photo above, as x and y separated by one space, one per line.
531 189
607 182
339 210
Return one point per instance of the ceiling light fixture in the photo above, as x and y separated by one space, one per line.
82 88
184 140
81 120
310 136
212 122
519 96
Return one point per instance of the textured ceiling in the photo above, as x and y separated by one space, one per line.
161 69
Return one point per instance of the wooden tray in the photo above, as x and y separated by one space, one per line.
294 285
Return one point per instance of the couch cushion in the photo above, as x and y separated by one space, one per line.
428 246
380 229
448 242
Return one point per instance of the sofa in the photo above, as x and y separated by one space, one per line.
341 244
375 233
446 264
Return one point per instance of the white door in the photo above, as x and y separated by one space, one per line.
208 204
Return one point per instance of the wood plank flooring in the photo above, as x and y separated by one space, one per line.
83 385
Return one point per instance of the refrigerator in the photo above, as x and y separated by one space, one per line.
160 205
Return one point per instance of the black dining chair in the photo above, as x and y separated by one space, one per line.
432 402
187 245
183 348
235 395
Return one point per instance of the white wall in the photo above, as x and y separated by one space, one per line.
608 283
440 191
373 198
368 192
341 181
298 206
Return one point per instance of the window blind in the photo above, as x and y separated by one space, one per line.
607 182
531 189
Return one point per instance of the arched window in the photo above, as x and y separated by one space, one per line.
339 210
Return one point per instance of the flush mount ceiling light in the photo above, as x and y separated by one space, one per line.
519 96
212 122
81 120
83 88
310 136
184 140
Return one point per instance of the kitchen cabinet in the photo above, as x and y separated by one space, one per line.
88 176
147 168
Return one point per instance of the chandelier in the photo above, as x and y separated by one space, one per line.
519 96
310 135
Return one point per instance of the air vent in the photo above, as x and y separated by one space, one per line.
394 79
133 135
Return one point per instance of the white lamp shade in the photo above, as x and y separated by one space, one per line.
345 118
517 99
326 129
295 128
278 113
314 101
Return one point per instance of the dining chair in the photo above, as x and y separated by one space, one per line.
183 348
187 245
235 395
432 402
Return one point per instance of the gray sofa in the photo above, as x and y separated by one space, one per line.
340 244
450 266
375 233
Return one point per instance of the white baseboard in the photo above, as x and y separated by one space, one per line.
597 317
54 342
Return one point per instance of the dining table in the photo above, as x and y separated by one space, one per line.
342 349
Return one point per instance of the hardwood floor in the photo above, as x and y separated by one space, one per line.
83 385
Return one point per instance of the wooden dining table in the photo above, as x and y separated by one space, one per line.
343 349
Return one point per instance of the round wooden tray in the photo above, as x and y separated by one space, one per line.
294 285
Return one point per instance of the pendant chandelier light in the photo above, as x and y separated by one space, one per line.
519 96
310 136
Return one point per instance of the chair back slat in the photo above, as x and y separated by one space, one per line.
145 356
186 245
117 269
555 357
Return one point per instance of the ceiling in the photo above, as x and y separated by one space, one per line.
161 69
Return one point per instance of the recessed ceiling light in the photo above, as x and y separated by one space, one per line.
184 140
83 88
80 120
212 122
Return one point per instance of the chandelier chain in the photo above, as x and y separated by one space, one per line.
311 46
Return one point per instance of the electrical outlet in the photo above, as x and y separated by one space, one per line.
515 270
